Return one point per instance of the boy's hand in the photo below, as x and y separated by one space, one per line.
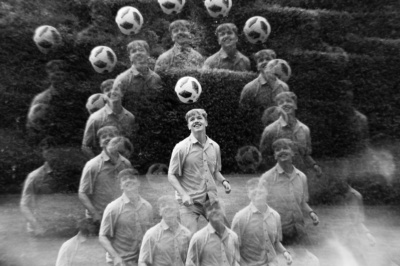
314 218
227 186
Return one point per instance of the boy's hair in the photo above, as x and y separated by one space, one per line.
193 112
252 184
264 53
108 83
283 143
177 23
141 43
122 142
130 173
139 58
167 201
107 129
213 207
56 66
84 226
284 95
226 26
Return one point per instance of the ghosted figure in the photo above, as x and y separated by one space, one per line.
38 183
156 173
214 244
259 94
181 55
125 222
167 242
58 74
112 114
287 126
288 192
248 159
194 170
99 184
228 57
82 249
139 78
106 86
256 222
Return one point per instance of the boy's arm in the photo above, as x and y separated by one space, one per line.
87 203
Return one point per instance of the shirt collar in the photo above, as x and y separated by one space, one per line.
224 55
104 155
193 140
126 200
136 73
179 49
109 111
254 209
280 170
261 79
211 230
47 169
282 122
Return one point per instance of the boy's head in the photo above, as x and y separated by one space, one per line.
129 180
257 193
86 227
196 119
180 31
120 145
106 85
140 62
168 208
117 92
227 34
215 214
138 46
283 149
105 134
262 58
57 70
286 100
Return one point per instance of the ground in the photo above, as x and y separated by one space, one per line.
19 249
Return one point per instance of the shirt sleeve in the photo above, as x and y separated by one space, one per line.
218 154
88 178
64 255
176 162
28 192
147 249
108 222
236 227
89 135
194 252
279 227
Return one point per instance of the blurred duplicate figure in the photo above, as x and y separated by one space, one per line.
106 86
259 93
82 249
113 114
287 190
125 222
181 55
228 57
139 78
194 170
99 184
287 126
167 242
215 244
38 183
259 229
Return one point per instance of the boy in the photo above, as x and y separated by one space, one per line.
181 55
228 57
125 221
99 184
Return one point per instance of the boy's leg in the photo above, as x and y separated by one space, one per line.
190 216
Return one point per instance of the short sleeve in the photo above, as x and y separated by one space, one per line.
28 192
147 248
108 222
176 162
86 184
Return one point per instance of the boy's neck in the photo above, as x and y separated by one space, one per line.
287 166
115 106
230 50
200 136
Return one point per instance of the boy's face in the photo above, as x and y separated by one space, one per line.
170 215
216 218
137 48
107 88
283 153
258 196
115 94
130 186
141 65
227 37
287 104
197 123
180 34
105 138
262 61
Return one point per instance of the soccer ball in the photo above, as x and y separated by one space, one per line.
129 20
46 38
95 102
280 68
248 158
103 59
188 89
218 8
171 6
257 29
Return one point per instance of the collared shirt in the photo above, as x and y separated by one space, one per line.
105 117
44 97
299 133
178 57
163 247
258 235
133 81
195 166
75 252
125 225
258 94
100 180
207 248
221 60
288 195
